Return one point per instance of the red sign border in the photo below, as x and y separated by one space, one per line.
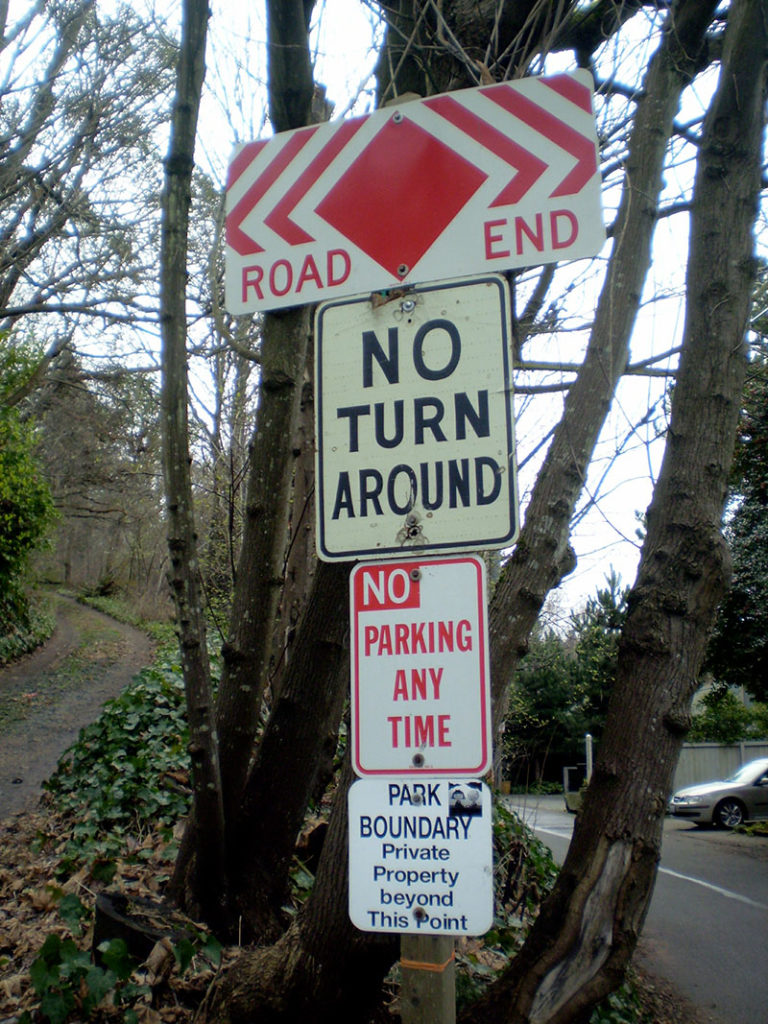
485 764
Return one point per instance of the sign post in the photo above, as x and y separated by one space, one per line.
415 447
427 979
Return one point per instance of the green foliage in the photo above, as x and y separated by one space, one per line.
562 686
25 623
26 507
620 1007
597 630
540 787
66 981
71 987
127 772
726 719
738 650
197 944
116 606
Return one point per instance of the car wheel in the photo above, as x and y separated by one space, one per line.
729 813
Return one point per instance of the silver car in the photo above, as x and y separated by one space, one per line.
727 804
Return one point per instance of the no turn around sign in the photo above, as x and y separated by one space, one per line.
414 422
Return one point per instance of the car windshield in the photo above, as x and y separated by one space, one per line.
745 773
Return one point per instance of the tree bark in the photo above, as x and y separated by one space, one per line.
182 541
322 969
587 930
283 356
542 556
260 568
305 714
300 562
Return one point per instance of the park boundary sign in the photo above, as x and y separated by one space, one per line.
474 181
420 677
420 857
414 423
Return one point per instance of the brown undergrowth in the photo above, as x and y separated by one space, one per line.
31 898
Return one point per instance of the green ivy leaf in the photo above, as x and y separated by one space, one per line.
183 951
114 953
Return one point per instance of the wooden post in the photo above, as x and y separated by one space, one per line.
428 983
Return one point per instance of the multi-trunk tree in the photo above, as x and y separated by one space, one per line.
251 789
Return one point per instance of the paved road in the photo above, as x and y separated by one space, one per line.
707 927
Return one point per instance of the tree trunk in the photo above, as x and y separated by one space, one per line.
259 577
283 356
542 556
185 574
322 969
300 562
260 567
587 930
305 714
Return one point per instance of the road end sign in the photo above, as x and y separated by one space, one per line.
414 422
469 182
420 677
420 857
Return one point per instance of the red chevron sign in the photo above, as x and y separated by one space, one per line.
480 180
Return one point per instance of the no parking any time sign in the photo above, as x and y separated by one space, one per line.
420 676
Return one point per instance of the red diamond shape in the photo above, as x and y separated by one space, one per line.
400 194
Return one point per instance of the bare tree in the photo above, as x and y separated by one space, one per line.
182 541
78 173
588 928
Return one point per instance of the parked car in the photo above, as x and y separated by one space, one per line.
742 797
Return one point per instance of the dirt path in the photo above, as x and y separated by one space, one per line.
48 696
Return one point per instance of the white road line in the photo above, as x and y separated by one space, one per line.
727 893
715 888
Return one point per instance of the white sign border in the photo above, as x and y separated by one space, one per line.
475 543
477 888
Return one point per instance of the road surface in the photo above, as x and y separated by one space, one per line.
48 696
707 927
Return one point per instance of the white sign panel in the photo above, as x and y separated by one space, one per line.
414 422
419 668
420 857
473 181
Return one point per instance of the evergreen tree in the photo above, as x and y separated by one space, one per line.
26 507
738 652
